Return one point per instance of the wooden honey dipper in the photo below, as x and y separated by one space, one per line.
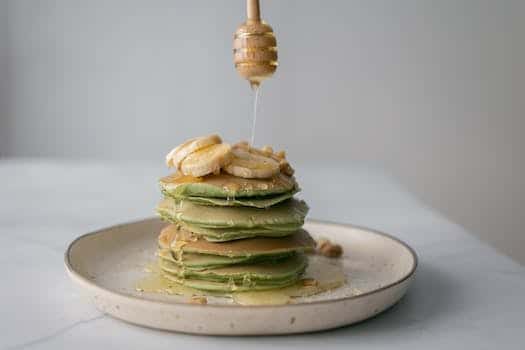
254 47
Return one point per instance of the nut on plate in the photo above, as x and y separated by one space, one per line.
327 248
310 282
198 299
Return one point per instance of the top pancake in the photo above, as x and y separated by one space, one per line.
256 202
225 186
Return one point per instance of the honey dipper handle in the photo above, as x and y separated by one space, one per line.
252 10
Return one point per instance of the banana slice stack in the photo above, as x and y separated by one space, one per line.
205 155
234 225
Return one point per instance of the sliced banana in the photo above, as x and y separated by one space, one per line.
179 153
250 165
285 167
267 151
207 160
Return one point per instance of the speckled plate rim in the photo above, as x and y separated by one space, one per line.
83 280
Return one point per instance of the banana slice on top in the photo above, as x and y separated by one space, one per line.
207 160
250 165
179 153
267 151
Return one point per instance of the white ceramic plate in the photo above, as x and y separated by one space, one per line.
107 264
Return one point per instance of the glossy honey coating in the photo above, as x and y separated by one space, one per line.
255 47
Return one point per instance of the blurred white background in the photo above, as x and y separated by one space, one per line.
429 91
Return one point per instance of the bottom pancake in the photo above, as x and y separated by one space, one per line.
240 277
228 287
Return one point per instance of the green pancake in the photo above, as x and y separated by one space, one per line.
195 261
266 270
230 286
229 234
247 276
180 241
285 214
256 202
225 186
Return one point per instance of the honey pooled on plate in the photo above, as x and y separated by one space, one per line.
322 275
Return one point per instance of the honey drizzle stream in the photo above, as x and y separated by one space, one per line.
256 90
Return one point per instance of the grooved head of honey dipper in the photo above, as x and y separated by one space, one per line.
255 51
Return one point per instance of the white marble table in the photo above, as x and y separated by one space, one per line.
465 295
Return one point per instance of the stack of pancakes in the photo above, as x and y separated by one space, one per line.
229 233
